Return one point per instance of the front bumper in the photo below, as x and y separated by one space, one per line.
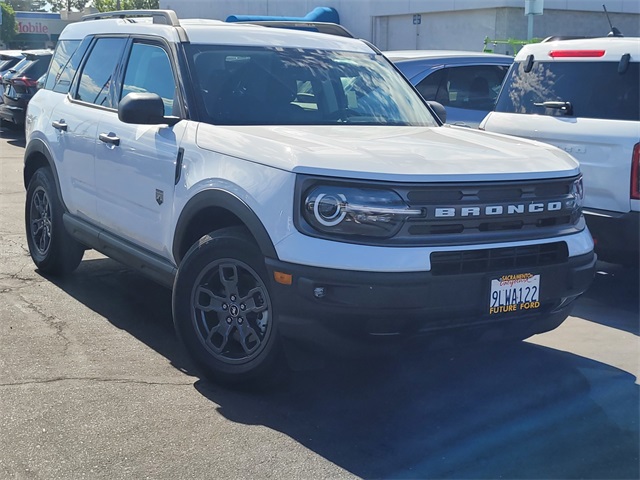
325 305
616 235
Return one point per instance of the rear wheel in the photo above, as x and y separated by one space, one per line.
223 311
52 249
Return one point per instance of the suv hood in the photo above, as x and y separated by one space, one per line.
390 153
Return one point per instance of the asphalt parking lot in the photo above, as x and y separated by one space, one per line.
93 384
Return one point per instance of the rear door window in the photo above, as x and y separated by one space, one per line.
594 89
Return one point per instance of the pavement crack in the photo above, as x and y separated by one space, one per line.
54 322
17 276
21 244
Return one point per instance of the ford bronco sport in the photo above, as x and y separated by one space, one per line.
291 185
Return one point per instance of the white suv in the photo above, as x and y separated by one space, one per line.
292 185
583 96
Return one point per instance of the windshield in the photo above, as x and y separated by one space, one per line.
293 86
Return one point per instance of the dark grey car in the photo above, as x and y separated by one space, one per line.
21 83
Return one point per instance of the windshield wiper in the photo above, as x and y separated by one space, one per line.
564 107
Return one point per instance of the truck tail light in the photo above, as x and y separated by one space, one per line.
635 173
576 53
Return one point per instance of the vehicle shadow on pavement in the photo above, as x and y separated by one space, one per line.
614 287
15 136
519 412
130 301
489 411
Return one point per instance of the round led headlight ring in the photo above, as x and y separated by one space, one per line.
328 209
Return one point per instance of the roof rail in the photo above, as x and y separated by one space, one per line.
166 17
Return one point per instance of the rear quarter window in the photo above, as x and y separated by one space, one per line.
594 89
63 66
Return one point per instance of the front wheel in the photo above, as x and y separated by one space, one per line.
222 308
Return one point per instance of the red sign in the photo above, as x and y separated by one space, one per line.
35 27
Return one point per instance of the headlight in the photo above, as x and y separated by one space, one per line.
577 192
355 211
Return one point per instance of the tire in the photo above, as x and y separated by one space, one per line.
223 312
52 249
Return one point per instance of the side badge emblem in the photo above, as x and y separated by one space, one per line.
159 196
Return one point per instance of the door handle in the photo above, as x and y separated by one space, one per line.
60 125
109 138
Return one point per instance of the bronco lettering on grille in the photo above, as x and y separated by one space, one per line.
489 210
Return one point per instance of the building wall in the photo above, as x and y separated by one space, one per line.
447 24
436 31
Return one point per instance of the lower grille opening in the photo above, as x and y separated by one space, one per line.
478 261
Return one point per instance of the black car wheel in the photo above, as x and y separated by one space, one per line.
223 311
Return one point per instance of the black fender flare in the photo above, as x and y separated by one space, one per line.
222 199
38 146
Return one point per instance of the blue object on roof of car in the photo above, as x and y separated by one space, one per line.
318 14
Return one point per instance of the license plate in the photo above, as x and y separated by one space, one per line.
514 293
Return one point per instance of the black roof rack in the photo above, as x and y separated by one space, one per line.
166 17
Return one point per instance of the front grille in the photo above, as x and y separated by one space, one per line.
469 213
498 259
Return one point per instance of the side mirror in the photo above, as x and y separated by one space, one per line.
144 109
439 110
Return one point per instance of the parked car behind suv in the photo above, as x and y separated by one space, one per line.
8 59
465 83
583 97
21 83
291 185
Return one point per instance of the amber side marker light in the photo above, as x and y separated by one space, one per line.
283 278
576 53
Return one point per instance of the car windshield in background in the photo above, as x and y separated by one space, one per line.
7 63
20 65
292 86
594 89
